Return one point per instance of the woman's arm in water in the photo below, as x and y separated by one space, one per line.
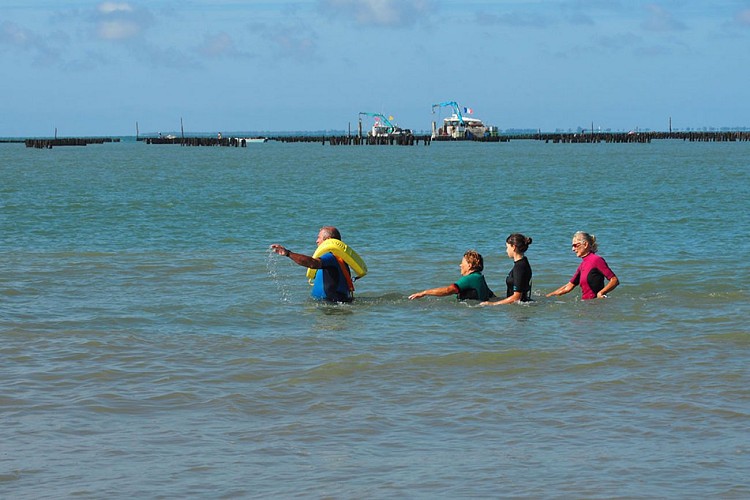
566 288
507 300
437 292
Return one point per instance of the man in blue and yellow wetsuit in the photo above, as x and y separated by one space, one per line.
333 281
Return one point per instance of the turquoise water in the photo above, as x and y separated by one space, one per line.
150 345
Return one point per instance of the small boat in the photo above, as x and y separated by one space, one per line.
250 139
383 127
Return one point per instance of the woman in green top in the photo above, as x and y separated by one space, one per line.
471 285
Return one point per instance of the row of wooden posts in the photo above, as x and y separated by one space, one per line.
333 140
68 141
411 140
637 137
198 141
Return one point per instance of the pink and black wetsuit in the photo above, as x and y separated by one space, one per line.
590 275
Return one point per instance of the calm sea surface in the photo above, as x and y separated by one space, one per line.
151 346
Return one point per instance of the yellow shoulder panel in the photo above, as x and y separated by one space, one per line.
342 250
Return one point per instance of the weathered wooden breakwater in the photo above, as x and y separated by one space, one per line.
392 140
412 140
67 141
487 138
405 139
726 136
198 141
354 140
333 140
634 137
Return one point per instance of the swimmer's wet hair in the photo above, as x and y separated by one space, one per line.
519 241
475 260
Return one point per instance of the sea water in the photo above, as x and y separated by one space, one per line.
152 346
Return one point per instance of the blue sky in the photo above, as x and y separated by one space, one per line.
98 67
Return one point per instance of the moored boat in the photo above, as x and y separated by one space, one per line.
250 139
382 127
458 126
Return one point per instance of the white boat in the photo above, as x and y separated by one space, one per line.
383 127
458 126
250 139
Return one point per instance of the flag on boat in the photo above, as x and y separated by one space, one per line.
468 111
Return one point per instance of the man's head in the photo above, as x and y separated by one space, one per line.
327 232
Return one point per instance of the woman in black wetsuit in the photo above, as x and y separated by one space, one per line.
519 279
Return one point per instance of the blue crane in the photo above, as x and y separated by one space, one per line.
391 128
454 105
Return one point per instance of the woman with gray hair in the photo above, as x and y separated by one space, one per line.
592 271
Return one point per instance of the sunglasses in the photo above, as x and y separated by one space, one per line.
576 245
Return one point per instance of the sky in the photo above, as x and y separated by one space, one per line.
101 67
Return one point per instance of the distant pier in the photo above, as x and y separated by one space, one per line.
333 140
426 139
585 137
633 137
198 141
354 140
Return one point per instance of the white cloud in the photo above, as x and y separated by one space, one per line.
109 7
615 42
293 44
392 13
13 34
661 20
120 21
217 45
117 30
221 45
581 19
295 41
514 19
23 39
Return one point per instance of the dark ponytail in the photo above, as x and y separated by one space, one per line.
519 241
